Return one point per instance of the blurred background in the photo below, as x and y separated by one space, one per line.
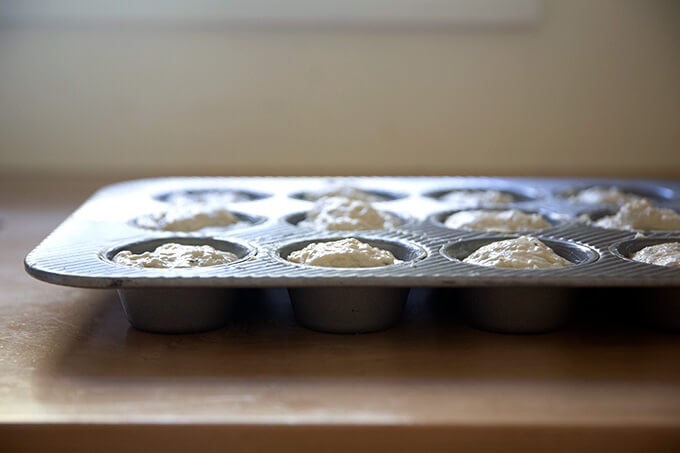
288 87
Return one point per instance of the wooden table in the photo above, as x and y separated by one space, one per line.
74 375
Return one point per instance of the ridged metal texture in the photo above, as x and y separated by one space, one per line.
78 252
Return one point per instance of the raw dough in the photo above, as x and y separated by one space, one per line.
498 221
346 192
189 217
666 254
525 252
171 255
343 253
641 215
476 198
345 214
603 195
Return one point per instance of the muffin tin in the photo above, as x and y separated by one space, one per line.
79 253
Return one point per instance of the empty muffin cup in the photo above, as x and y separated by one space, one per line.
517 309
351 309
171 309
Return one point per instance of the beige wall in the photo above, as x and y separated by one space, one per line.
593 89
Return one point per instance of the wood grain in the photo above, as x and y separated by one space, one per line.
74 375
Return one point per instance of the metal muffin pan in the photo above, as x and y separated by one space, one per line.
349 300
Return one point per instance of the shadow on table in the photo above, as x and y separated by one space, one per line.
264 342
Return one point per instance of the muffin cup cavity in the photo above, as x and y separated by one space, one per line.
351 309
518 195
574 252
595 213
296 218
177 310
380 196
512 308
515 310
348 309
626 249
205 195
404 251
242 251
590 216
243 221
554 218
656 194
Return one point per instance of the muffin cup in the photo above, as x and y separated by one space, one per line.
348 309
553 218
351 309
626 249
657 306
380 196
298 217
176 310
572 251
517 310
656 193
518 194
243 221
196 195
